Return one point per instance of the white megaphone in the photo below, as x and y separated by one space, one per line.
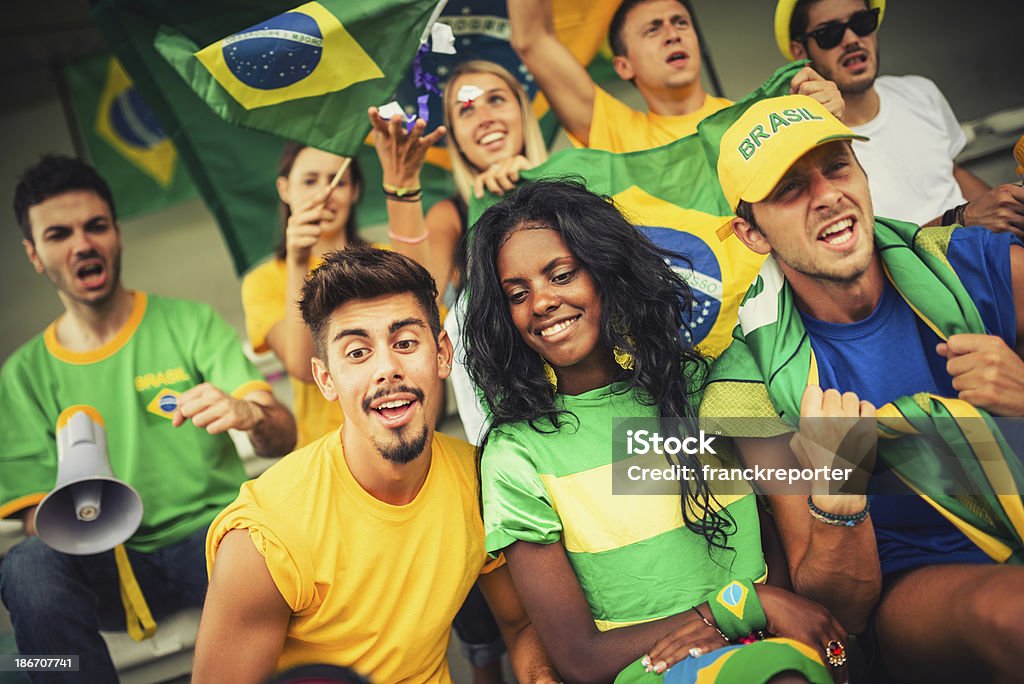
89 510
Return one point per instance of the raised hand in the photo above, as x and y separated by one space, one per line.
809 82
401 152
303 229
835 430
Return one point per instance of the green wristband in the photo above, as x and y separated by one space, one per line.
737 609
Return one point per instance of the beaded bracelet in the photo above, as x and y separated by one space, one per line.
837 520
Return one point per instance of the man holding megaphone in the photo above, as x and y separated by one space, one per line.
151 383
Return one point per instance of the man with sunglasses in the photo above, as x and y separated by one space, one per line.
914 135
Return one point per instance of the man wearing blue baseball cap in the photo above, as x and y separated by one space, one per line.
914 134
851 312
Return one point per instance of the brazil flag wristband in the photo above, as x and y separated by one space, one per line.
737 610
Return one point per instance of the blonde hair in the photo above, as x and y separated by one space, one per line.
534 148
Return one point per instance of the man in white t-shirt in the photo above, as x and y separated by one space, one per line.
914 135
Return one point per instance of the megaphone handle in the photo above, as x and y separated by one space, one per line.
139 620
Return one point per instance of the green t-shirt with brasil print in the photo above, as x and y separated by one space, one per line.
632 554
184 475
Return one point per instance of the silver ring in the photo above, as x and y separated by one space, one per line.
696 651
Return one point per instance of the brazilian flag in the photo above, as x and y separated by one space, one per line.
123 138
671 193
233 167
307 73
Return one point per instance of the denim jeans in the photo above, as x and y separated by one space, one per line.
59 603
481 639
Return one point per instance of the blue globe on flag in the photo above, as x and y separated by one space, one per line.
168 403
133 120
703 274
275 53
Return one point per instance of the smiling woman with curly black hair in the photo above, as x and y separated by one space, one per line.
573 321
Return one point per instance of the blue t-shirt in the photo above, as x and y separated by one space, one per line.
890 354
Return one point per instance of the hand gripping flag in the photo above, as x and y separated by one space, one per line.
307 73
950 453
671 193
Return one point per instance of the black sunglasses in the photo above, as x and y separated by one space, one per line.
862 23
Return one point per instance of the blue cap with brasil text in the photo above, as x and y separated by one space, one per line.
771 135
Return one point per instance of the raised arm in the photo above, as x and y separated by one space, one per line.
565 81
834 565
289 338
401 155
245 619
529 661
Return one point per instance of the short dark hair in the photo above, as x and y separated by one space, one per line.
362 272
52 175
745 211
615 40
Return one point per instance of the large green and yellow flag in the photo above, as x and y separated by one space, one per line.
305 72
123 138
671 193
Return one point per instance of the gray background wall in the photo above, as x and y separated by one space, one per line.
972 50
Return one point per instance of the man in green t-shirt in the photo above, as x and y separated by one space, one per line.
167 377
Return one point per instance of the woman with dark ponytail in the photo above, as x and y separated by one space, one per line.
573 321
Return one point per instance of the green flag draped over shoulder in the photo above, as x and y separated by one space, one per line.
671 193
305 72
123 138
949 452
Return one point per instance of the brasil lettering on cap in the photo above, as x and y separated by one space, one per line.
776 121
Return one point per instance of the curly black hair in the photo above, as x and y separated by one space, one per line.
642 312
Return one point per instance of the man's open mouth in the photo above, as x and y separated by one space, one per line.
92 275
838 233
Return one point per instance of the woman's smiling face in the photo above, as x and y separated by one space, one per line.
555 306
489 126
